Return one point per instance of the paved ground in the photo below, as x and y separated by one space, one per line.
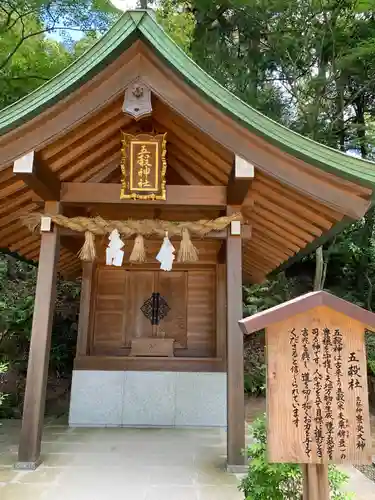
131 464
126 464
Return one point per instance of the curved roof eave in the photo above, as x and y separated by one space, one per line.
141 24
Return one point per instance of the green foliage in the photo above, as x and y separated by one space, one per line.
258 298
3 397
370 352
255 374
17 289
178 23
28 55
309 65
270 293
279 481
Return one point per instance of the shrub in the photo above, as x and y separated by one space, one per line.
255 364
279 481
258 298
370 351
17 290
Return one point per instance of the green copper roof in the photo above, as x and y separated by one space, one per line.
142 24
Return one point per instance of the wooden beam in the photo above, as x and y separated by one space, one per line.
37 370
240 179
235 373
37 177
84 309
76 193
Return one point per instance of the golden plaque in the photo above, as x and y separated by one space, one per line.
143 167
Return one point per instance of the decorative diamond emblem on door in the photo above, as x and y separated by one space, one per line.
155 308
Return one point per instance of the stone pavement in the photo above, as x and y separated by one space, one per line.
115 463
132 464
359 484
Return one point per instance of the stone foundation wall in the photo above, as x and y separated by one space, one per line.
149 399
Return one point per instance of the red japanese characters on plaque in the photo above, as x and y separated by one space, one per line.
143 167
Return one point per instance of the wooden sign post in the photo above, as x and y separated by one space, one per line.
317 399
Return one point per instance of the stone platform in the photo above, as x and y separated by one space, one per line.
120 463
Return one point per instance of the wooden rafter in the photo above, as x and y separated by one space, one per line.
288 203
10 188
102 151
193 166
14 202
39 178
296 198
239 183
276 229
261 214
290 215
179 136
64 143
178 123
185 173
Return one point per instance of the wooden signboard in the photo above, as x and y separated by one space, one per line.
143 167
317 399
317 390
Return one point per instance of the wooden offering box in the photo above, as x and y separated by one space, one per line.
152 347
317 399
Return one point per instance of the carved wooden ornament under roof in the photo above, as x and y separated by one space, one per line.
137 101
143 166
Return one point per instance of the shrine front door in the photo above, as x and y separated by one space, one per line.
133 304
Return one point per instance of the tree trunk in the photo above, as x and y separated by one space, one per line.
361 124
320 269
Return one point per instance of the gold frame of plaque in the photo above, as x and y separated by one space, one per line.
143 166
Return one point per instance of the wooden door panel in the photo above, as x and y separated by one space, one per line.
120 293
172 286
109 312
109 327
110 303
201 313
110 281
140 287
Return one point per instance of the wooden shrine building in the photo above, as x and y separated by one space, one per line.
155 347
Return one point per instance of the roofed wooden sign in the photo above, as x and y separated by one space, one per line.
316 380
143 167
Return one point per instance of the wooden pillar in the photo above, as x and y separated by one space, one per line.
315 482
37 370
84 309
235 372
221 312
